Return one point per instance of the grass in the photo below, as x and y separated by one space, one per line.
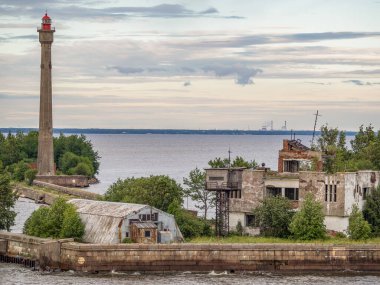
248 239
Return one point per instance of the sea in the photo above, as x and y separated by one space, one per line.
127 155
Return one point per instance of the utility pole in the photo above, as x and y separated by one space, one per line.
315 125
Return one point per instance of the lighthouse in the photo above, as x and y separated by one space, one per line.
45 159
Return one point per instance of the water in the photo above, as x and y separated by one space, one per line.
175 155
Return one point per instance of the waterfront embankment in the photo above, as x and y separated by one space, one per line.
69 255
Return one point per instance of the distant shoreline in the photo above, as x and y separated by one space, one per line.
170 131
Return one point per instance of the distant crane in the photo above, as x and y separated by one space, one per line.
315 125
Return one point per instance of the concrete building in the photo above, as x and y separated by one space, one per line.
337 192
111 222
45 159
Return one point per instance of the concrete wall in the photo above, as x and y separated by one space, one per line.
338 224
65 180
193 257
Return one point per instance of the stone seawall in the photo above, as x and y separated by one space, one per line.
68 255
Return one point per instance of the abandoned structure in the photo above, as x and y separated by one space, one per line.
245 188
111 222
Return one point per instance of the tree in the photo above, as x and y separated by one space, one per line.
358 228
157 191
7 202
59 221
273 216
196 190
72 164
307 224
30 175
238 161
371 210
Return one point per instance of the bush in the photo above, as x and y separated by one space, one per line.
273 216
358 228
7 202
18 170
127 240
371 210
30 175
307 224
239 228
59 221
73 164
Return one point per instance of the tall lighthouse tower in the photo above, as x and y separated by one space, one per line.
45 159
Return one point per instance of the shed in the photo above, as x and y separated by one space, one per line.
109 222
144 232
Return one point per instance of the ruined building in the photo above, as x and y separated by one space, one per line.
299 172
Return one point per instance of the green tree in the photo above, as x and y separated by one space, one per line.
72 164
196 190
18 170
273 216
307 224
30 175
363 138
238 161
358 227
239 228
371 210
59 221
7 202
72 225
157 191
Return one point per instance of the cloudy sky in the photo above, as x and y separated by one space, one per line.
194 64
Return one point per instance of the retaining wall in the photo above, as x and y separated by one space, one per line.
65 180
69 255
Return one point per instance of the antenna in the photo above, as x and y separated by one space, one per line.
315 125
229 156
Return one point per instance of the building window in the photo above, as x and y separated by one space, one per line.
216 178
331 192
326 193
127 234
334 193
291 193
147 234
365 192
273 191
250 220
291 166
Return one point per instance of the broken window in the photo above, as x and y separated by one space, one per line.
365 192
330 193
147 234
334 193
273 191
326 193
250 220
216 178
291 166
291 193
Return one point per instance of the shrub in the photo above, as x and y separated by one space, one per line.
273 216
7 202
239 228
358 228
30 175
59 221
84 169
371 210
308 224
127 240
18 170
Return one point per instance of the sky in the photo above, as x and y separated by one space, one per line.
194 64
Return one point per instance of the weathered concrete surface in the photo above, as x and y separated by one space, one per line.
45 158
36 195
70 191
3 246
194 257
64 180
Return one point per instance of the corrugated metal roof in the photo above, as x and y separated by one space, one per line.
148 225
103 208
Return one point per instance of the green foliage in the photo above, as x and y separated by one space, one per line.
59 221
127 240
18 170
21 147
371 210
7 202
196 190
157 191
239 228
307 224
72 164
238 161
30 175
72 225
273 216
340 235
190 225
358 228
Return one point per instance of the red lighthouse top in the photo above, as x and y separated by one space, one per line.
46 23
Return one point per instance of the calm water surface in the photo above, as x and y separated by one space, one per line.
175 155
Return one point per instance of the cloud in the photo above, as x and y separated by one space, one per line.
187 69
318 83
360 82
187 83
243 74
369 72
127 70
210 10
